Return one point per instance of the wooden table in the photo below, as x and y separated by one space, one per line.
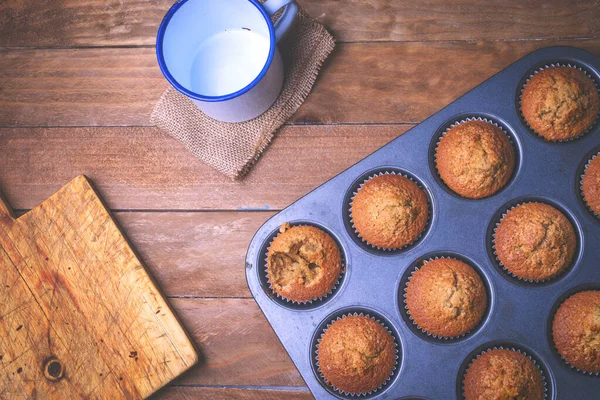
78 80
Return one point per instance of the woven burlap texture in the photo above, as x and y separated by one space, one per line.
233 148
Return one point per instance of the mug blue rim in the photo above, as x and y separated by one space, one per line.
163 66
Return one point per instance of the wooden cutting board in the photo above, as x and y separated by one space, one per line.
79 315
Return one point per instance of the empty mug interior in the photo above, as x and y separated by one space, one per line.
216 48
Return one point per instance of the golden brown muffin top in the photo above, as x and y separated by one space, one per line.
390 211
356 354
303 263
576 330
535 241
503 375
475 159
591 185
560 103
446 297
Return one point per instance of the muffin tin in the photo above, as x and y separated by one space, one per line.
519 312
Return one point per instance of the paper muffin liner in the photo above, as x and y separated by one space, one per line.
512 348
468 119
422 330
581 184
558 64
573 368
318 299
392 372
508 272
410 178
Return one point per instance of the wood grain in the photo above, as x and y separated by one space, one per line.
387 20
194 393
78 87
74 292
179 249
361 83
142 168
135 22
236 343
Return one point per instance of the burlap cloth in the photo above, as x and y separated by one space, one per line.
232 148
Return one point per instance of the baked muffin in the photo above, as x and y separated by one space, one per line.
576 330
303 263
390 211
356 354
503 375
535 241
560 103
475 159
446 297
591 185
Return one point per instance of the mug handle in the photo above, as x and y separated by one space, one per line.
284 22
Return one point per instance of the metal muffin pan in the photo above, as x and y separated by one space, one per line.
519 313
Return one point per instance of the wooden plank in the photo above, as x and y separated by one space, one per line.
361 83
142 168
236 344
179 249
359 20
134 22
104 324
259 393
77 87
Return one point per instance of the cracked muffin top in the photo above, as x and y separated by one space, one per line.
356 354
475 159
503 375
535 241
576 330
446 297
591 185
303 263
390 211
560 103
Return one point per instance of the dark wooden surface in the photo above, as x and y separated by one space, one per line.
78 80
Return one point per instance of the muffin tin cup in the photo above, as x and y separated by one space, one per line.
551 65
488 120
381 172
310 303
533 281
511 347
559 302
585 168
423 332
315 350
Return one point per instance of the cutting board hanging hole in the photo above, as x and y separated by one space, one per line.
53 369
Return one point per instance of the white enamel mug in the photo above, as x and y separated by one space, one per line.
223 54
